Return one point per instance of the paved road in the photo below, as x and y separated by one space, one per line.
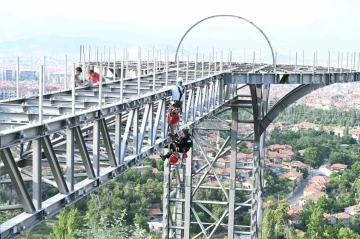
299 191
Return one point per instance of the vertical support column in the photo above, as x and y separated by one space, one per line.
118 158
182 55
80 51
154 76
196 61
209 73
122 77
97 55
164 126
17 78
70 142
139 71
179 206
96 147
233 135
255 189
44 75
147 64
41 95
221 61
221 87
166 200
260 99
177 68
188 194
202 67
36 171
109 57
66 71
166 67
73 91
100 84
127 64
114 71
136 131
151 125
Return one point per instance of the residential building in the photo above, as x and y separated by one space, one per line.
352 210
293 176
332 219
156 227
320 179
339 167
325 170
311 198
295 218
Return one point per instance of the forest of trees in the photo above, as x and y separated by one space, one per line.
342 191
319 145
119 208
334 117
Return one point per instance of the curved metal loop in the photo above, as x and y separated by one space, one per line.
226 15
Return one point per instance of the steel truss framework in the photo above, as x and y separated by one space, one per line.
107 140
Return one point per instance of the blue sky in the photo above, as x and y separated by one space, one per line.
290 25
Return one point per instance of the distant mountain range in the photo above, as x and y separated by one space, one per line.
45 45
50 44
69 45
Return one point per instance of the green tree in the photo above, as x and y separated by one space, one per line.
67 225
305 172
160 165
313 157
140 221
347 233
281 213
268 225
316 226
355 223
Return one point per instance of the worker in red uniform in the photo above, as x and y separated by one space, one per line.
94 77
175 107
181 145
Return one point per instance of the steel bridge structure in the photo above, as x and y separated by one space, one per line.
86 136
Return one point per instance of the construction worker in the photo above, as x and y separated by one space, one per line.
175 107
94 77
180 145
78 81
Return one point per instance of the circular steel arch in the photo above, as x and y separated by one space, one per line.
226 15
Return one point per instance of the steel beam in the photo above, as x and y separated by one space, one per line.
96 147
80 142
70 158
118 139
54 165
233 161
37 173
108 143
16 178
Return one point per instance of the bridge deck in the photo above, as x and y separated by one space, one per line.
24 112
135 125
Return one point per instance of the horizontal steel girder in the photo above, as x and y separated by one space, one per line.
24 133
145 148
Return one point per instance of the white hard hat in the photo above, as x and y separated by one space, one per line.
185 127
179 79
